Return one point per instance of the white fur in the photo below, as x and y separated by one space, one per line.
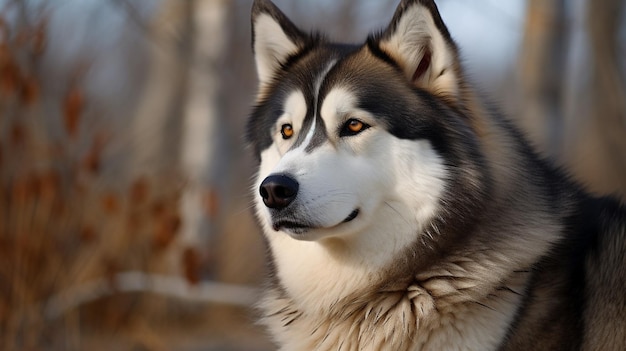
415 34
271 47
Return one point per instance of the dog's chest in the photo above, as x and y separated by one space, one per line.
408 321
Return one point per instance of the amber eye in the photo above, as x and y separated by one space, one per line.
286 130
353 127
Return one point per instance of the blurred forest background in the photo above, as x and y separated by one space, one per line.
125 219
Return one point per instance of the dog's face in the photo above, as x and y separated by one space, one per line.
353 137
330 161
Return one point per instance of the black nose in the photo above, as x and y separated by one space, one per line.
278 191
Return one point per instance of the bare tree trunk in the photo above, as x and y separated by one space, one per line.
202 145
596 148
542 67
179 125
155 128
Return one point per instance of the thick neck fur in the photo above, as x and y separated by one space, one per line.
354 295
442 309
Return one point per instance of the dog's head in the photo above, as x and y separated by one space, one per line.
353 137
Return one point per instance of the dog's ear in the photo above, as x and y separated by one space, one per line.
274 39
418 41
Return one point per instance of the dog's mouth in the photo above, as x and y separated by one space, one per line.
290 225
351 216
302 227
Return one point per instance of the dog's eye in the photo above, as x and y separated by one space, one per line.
286 130
353 127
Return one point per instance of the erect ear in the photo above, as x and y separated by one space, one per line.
419 42
274 39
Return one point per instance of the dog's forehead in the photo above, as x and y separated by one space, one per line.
357 78
336 79
303 82
309 74
313 131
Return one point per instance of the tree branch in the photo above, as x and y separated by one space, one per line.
135 281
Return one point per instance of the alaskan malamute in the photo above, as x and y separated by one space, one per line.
403 214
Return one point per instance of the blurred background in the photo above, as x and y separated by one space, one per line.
125 210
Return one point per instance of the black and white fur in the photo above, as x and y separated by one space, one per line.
402 214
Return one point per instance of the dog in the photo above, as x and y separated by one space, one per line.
403 213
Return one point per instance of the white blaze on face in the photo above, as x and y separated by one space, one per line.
316 91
